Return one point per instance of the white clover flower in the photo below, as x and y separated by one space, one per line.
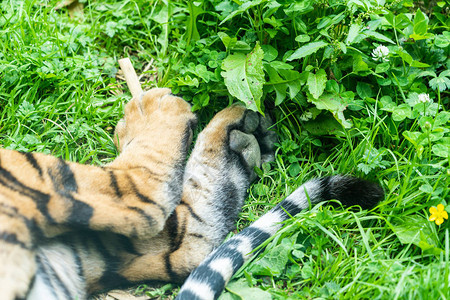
424 98
380 53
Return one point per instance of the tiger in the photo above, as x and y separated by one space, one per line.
154 213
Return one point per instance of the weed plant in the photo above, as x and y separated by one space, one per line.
354 86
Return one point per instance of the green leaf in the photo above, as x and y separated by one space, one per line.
306 50
352 33
281 80
387 104
359 65
227 41
401 112
274 262
382 68
334 104
441 150
420 23
440 82
416 230
323 125
270 53
316 83
418 64
243 8
302 38
364 90
244 77
241 289
378 36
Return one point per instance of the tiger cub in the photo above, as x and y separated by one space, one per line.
69 230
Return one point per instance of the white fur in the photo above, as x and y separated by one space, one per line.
224 266
269 223
58 258
200 289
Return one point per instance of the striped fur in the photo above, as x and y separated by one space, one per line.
70 230
209 279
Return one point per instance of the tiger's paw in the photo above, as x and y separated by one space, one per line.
246 133
155 117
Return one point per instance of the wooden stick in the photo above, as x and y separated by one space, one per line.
130 76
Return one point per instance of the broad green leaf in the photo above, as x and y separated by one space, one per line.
418 64
401 112
442 40
306 50
332 86
420 23
334 104
274 262
244 77
227 41
270 53
387 104
302 38
323 125
414 137
352 33
241 289
378 36
282 80
382 68
364 90
442 118
358 64
299 8
402 21
441 150
416 230
405 56
316 83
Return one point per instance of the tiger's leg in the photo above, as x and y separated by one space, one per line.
217 175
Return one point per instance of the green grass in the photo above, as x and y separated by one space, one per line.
59 94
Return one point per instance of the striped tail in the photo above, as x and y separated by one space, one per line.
209 279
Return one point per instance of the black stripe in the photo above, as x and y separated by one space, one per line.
191 211
110 277
32 161
141 212
114 184
41 199
80 213
176 232
256 235
11 238
144 198
65 185
287 208
63 178
69 241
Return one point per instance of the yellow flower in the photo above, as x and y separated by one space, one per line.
438 214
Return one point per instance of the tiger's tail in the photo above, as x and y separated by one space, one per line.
209 279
